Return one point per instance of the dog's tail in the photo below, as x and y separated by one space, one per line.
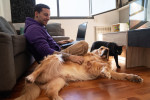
31 92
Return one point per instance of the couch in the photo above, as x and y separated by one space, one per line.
14 56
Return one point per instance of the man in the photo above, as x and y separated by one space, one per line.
41 44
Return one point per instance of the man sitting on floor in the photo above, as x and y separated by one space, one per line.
41 44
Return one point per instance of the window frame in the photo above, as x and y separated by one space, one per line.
80 17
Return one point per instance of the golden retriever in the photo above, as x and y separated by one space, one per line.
53 74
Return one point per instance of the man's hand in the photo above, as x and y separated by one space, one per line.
64 41
73 58
76 59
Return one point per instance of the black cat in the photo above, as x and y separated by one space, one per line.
114 49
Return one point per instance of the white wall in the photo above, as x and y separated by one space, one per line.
124 14
107 19
1 8
5 9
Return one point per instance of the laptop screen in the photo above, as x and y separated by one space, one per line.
81 31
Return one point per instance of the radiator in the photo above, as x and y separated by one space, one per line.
103 29
100 30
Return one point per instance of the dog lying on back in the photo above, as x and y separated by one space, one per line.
114 49
53 74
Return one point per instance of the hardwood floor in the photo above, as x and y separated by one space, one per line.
101 89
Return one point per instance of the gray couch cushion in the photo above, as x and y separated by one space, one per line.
6 27
19 44
22 63
54 29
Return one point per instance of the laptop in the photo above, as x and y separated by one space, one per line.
80 35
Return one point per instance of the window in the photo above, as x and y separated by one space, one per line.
75 8
78 8
100 6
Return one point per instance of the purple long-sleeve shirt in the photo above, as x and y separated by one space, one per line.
39 42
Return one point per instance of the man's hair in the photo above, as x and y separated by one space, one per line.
39 7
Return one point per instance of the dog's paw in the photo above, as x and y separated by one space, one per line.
30 79
135 78
106 74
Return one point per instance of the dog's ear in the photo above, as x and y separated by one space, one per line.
108 55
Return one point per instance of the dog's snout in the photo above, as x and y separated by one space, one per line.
104 52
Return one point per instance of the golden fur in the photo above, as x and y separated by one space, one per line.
53 73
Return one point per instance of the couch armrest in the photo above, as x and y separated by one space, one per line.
7 68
